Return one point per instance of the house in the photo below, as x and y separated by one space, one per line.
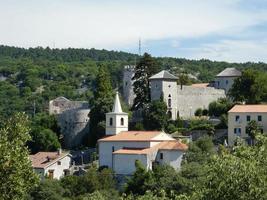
239 117
51 164
225 79
120 148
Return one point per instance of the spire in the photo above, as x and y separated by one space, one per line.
117 104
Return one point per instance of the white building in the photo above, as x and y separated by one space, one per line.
225 79
121 148
53 165
239 117
182 101
73 119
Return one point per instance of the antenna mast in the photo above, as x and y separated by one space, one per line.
139 46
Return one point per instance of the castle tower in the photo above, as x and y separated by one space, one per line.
164 83
117 120
128 93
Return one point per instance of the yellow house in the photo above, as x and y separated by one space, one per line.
239 117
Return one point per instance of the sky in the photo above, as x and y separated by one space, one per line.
222 30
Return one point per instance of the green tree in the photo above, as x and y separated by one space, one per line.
155 115
245 88
183 79
141 180
198 112
48 190
253 129
146 67
219 107
16 174
101 104
43 140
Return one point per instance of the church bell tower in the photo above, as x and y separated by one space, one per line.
117 120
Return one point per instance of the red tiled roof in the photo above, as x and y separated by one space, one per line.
40 159
132 136
249 108
166 145
200 85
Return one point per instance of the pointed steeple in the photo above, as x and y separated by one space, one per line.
117 104
117 120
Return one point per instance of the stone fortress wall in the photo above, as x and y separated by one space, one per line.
72 118
184 102
190 98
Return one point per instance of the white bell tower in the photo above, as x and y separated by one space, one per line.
117 120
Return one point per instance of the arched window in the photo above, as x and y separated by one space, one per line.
169 113
169 101
110 121
122 122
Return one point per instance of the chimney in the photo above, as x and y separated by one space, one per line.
59 151
48 158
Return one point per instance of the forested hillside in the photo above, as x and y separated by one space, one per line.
29 78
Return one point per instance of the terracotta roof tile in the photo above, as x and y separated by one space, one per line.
200 85
132 136
249 108
166 145
40 159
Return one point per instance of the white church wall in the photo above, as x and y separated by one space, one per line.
124 164
170 157
106 149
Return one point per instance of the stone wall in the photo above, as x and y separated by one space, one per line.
128 93
191 98
73 119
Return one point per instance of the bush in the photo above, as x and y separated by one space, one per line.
199 112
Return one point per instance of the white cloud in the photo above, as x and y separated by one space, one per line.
233 51
117 24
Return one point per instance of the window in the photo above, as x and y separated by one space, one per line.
126 83
226 82
169 86
110 121
169 113
261 131
248 118
122 122
169 103
259 118
237 131
113 149
218 83
58 162
51 174
237 117
156 86
161 156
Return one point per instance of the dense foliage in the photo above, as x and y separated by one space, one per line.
16 174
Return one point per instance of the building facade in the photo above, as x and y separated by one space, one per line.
225 79
239 117
54 165
120 149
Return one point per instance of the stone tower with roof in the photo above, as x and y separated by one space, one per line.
117 120
225 79
164 83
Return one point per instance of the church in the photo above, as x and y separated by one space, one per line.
120 148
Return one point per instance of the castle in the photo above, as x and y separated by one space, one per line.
72 117
182 101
